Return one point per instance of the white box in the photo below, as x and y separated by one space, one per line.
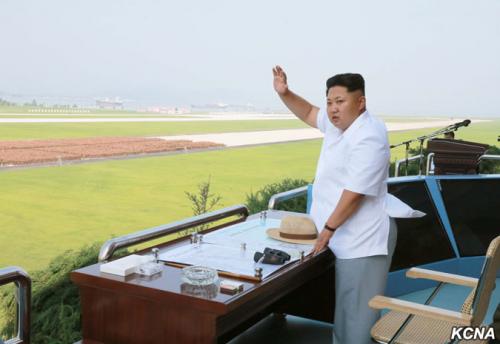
126 265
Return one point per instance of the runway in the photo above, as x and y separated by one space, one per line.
274 136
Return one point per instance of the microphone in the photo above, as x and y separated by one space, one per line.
461 124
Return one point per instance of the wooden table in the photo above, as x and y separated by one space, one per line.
163 309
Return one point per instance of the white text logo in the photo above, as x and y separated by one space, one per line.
469 333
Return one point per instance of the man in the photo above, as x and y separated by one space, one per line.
349 195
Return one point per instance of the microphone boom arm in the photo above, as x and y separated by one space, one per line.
421 139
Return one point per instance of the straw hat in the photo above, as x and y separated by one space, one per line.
295 229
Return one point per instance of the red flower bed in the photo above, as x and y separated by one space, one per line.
47 151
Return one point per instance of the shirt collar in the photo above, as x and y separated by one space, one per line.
358 122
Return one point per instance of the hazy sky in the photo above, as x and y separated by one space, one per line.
418 57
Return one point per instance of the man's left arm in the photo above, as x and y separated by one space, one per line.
367 171
348 204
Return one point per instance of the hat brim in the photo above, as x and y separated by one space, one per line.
275 234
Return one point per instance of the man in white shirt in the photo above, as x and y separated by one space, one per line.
349 194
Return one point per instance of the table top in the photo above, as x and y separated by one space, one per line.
167 285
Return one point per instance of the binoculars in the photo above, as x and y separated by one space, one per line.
271 256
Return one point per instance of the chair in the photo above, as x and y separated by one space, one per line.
413 323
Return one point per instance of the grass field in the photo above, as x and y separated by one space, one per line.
26 131
29 131
48 210
400 119
90 115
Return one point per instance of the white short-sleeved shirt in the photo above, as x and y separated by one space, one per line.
357 160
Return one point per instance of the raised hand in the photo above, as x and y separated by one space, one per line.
279 82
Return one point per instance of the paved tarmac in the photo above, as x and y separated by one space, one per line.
273 136
235 138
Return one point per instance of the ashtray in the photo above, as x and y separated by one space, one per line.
199 275
149 269
208 291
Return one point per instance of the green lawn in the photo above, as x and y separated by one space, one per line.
90 115
400 119
48 210
26 131
405 119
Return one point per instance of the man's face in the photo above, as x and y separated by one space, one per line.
344 107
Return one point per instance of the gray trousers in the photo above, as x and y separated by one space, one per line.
356 282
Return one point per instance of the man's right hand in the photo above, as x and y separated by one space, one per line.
279 82
299 106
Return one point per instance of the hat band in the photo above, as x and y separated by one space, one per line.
298 236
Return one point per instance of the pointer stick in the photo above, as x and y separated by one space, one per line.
221 273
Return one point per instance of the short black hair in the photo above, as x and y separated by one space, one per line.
352 81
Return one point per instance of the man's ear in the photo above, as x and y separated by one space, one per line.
362 103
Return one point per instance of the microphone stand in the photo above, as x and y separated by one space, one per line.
407 148
421 139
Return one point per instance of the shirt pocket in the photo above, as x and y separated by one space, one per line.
334 168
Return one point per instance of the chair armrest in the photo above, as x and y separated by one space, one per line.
442 277
382 302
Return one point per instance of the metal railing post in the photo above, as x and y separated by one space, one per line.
22 281
283 196
489 157
398 163
430 161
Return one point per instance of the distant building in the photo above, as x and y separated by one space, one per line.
109 104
